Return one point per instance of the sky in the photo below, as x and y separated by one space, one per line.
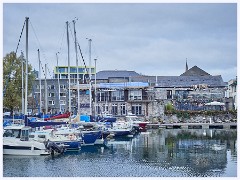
149 38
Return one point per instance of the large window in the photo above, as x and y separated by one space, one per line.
114 109
135 95
118 95
105 108
123 109
102 96
137 109
181 94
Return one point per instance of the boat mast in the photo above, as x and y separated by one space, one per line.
69 93
95 90
22 58
78 95
40 86
58 84
90 84
46 89
26 75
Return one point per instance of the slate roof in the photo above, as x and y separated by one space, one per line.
182 81
115 73
195 71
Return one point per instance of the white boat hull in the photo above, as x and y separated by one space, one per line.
14 146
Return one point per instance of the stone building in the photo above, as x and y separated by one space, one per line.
121 92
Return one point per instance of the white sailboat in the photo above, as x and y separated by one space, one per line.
16 137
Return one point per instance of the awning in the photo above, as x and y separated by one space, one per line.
215 103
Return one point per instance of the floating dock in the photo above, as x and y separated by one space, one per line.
193 126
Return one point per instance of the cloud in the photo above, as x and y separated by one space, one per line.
153 39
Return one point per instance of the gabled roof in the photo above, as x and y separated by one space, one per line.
115 74
195 71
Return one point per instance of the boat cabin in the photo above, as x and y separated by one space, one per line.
21 132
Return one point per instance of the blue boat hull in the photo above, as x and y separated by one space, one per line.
89 138
71 145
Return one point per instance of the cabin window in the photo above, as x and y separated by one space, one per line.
31 136
8 133
41 136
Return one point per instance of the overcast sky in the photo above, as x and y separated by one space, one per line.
152 39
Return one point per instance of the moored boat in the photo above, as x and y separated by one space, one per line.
16 142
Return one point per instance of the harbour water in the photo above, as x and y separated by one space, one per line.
154 153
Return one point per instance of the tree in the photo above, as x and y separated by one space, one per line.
12 81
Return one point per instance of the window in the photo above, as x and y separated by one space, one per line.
102 96
118 95
51 94
51 87
114 109
123 109
73 70
98 109
62 86
51 102
137 109
62 102
169 94
135 95
105 108
62 94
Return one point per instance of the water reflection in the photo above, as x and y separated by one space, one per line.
200 152
155 153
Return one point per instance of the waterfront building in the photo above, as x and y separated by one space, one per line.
231 95
83 73
122 92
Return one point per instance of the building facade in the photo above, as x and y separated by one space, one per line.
122 92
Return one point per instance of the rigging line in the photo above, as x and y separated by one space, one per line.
8 78
82 58
40 47
62 40
20 37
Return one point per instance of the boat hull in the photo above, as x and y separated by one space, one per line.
89 137
8 150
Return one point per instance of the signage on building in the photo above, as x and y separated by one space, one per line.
87 105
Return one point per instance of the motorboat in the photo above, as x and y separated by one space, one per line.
136 122
70 141
16 142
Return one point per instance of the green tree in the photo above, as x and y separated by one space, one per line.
12 81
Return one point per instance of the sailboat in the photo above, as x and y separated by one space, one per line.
16 137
